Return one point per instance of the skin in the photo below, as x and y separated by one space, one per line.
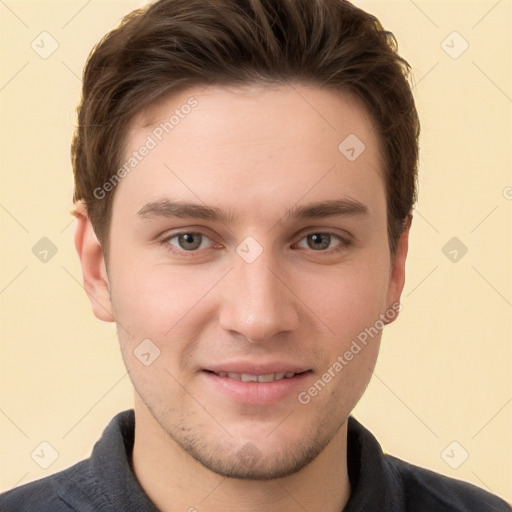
258 152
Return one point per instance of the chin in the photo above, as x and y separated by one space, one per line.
249 463
257 460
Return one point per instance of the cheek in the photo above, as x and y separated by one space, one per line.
150 300
350 303
168 306
348 298
150 307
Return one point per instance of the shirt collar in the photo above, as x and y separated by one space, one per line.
375 483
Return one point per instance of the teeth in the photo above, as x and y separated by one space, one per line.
267 378
245 377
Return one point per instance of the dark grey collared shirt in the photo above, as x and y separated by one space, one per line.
380 483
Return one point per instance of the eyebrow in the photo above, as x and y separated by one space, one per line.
165 208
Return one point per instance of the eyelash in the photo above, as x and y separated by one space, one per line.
344 243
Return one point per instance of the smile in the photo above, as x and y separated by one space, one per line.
245 377
260 386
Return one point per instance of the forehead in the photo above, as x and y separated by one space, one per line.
260 109
252 146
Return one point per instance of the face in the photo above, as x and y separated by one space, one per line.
250 253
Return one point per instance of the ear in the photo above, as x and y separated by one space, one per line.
397 275
94 271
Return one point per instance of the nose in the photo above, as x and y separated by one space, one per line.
258 302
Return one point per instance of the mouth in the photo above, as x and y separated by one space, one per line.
257 387
247 377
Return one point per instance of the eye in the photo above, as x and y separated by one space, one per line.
322 241
187 242
191 242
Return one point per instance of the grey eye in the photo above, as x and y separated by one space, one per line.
188 241
318 241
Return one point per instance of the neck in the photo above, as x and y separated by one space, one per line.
174 480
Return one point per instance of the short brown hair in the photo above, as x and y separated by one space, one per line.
173 44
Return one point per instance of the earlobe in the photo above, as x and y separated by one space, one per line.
397 276
94 271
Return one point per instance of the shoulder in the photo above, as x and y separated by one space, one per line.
394 485
49 493
425 490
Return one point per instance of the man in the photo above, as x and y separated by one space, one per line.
245 175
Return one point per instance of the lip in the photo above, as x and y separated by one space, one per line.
256 369
256 393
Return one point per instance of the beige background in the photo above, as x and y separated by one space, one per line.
445 369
